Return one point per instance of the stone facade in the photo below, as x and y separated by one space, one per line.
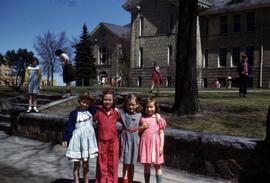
153 39
153 32
153 35
230 30
111 51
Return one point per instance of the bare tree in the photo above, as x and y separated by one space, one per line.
45 46
186 89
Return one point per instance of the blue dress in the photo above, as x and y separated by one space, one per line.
33 75
83 144
130 137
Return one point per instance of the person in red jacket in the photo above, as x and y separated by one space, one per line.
156 78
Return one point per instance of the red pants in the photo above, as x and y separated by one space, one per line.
108 158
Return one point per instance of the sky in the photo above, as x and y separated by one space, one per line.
21 21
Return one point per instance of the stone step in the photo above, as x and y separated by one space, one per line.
24 105
4 117
50 96
39 101
5 126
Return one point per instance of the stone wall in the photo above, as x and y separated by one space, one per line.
238 159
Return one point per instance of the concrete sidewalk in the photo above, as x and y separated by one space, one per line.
24 160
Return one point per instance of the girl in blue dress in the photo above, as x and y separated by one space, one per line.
32 79
80 137
130 116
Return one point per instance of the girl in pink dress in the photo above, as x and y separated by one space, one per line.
152 139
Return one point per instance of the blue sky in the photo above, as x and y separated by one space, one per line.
21 21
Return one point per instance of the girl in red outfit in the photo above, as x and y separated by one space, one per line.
108 142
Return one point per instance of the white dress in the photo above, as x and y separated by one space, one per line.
83 144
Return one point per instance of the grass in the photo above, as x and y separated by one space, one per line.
224 112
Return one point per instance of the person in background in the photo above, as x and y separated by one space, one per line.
244 70
68 71
156 78
32 79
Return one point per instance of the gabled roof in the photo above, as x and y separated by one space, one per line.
118 30
130 4
227 6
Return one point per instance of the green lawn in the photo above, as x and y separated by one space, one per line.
224 112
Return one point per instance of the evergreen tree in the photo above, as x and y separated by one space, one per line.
84 60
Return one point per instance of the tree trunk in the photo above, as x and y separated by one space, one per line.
48 76
52 68
186 89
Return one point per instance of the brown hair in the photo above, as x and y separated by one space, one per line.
132 97
84 96
148 100
109 91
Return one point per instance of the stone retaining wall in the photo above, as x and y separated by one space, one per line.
238 159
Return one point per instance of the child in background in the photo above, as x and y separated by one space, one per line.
152 139
130 138
108 142
32 79
80 132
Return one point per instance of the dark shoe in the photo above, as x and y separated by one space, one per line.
245 96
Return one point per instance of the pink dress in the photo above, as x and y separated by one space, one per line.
150 141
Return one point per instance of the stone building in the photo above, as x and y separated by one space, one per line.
5 75
230 28
225 30
111 49
153 36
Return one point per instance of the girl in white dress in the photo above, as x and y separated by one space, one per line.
80 137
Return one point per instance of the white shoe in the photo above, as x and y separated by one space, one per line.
29 109
35 109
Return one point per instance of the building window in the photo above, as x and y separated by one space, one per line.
168 81
222 57
103 56
170 26
223 24
205 58
140 63
250 22
206 25
235 56
139 81
169 55
237 23
205 82
141 27
250 54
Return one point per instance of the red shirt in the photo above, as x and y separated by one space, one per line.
106 124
